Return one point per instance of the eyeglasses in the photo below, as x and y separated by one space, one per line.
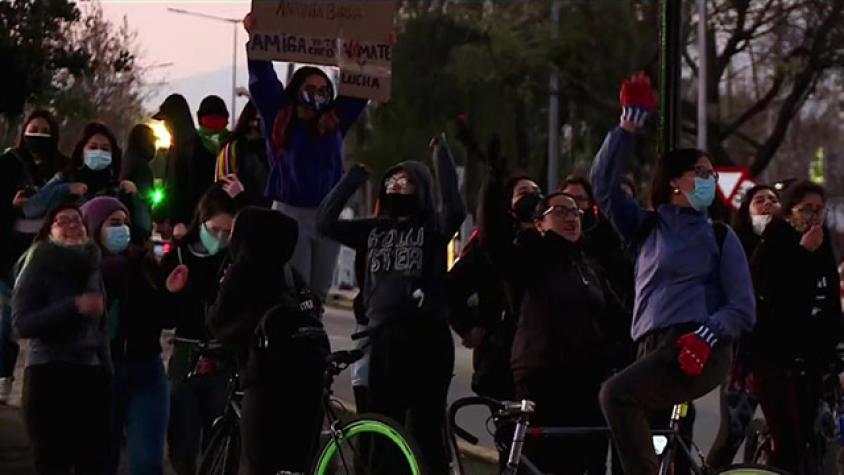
400 183
563 212
64 221
706 173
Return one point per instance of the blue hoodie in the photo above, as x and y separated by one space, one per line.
681 275
303 174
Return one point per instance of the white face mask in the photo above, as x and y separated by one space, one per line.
760 222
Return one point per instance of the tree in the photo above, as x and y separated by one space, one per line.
33 50
110 90
767 58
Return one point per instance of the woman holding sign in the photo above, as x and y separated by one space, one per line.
304 125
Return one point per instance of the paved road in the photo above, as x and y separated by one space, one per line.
340 324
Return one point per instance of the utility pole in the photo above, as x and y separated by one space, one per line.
702 76
554 113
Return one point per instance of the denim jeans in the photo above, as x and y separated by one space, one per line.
141 409
8 343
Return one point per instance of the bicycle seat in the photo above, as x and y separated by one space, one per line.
344 358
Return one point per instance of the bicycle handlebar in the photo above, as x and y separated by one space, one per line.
493 405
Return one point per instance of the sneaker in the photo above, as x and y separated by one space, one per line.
6 390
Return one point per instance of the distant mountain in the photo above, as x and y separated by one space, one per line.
196 87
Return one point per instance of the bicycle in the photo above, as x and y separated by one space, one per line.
350 444
668 443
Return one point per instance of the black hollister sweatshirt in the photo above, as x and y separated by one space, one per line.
405 259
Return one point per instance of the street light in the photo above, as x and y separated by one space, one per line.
234 22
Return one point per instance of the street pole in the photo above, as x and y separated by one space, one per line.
554 114
702 76
670 39
234 76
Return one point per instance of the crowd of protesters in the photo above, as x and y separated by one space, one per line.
601 310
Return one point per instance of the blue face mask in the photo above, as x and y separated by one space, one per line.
97 159
704 193
212 243
117 238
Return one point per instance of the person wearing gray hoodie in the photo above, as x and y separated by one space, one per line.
412 353
58 304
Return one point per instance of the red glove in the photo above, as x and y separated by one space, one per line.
694 349
637 99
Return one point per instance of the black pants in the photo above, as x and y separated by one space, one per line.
790 401
194 405
651 385
280 426
67 411
410 370
559 403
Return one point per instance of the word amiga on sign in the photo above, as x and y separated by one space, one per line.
733 184
356 36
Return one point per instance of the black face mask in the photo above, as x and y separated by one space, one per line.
525 207
39 145
401 206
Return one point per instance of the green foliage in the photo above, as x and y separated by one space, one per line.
33 49
491 61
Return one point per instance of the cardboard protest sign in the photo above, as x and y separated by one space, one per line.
355 35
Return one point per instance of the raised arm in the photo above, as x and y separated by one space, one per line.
348 110
352 233
609 167
453 208
637 100
267 92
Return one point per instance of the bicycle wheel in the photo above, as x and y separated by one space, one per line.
751 469
369 444
222 455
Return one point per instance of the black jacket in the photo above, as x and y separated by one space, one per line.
17 172
257 281
190 166
140 150
44 306
186 310
798 301
569 316
478 297
136 304
406 260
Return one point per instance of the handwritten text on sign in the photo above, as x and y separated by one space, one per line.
355 36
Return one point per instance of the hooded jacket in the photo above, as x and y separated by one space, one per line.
304 173
140 150
134 290
569 316
17 172
261 246
799 305
405 259
190 166
44 306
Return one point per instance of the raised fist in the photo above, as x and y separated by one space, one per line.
637 99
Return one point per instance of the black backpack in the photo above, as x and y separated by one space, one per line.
290 338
